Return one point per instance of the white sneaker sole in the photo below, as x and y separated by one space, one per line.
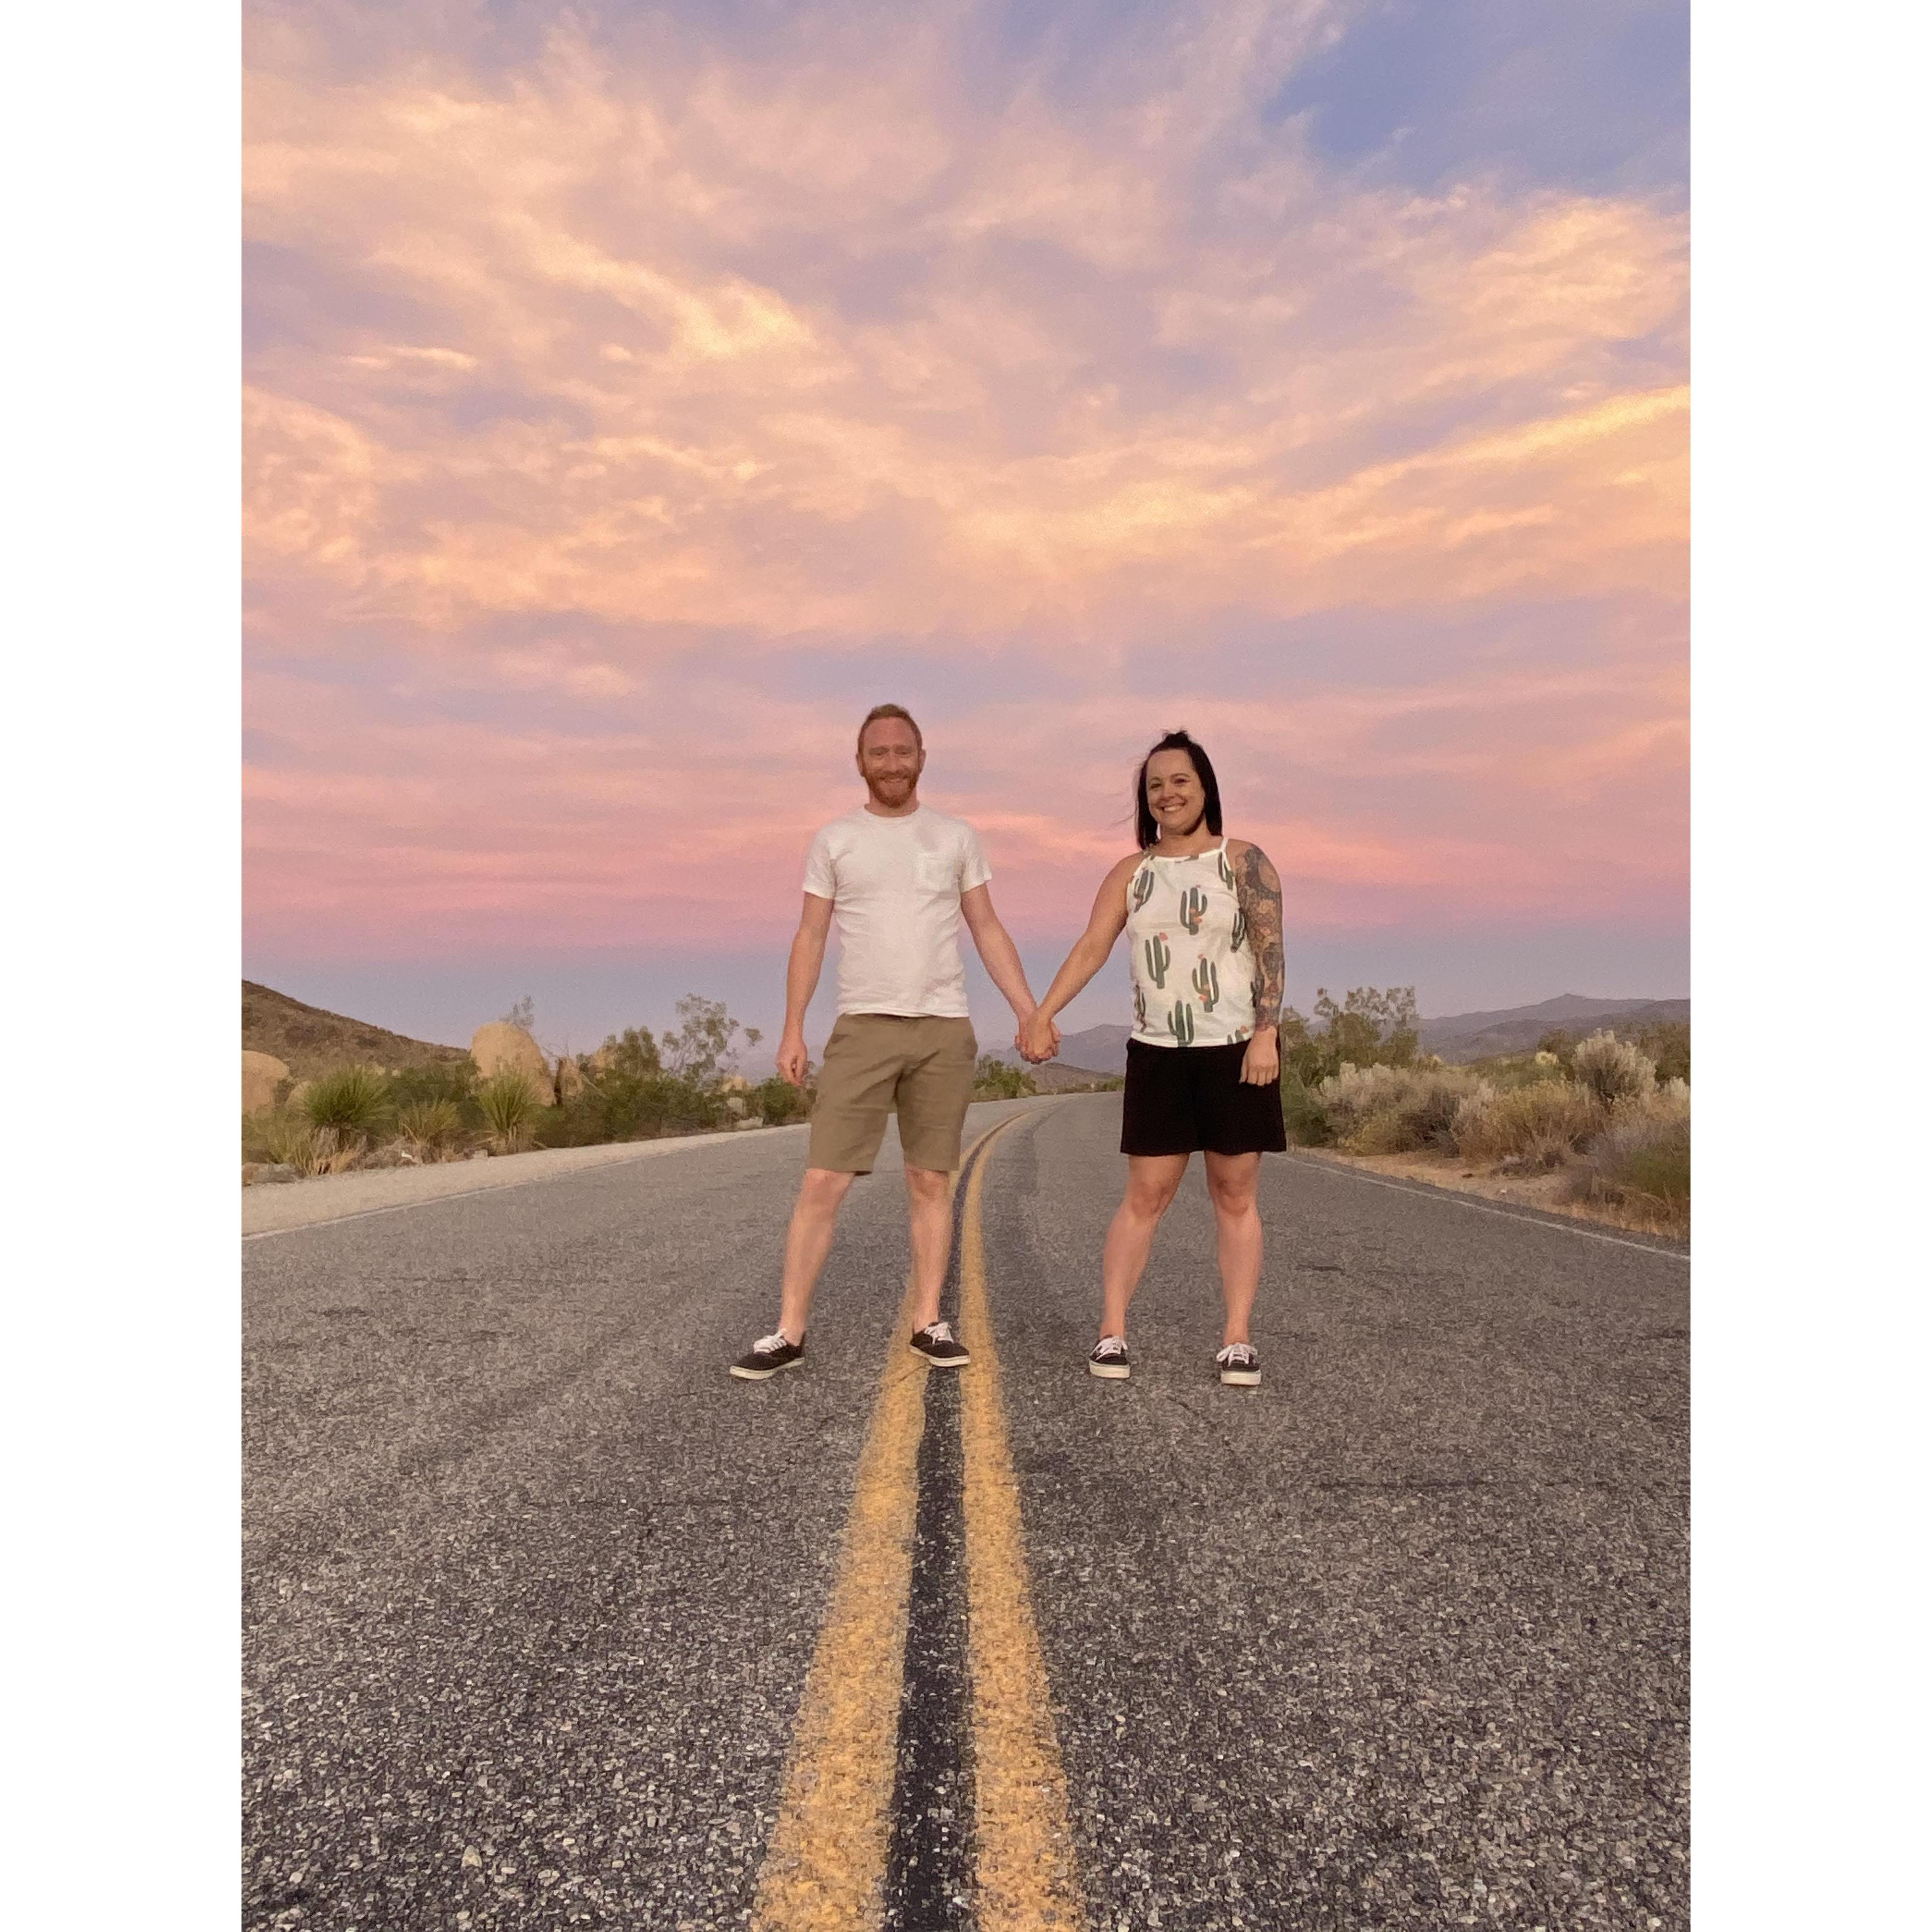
1109 1372
766 1375
1242 1378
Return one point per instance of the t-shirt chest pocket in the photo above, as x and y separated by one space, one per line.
935 872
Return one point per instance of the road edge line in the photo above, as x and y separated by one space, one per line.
1535 1217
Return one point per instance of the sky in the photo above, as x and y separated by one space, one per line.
636 395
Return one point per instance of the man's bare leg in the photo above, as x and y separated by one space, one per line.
808 1241
929 1219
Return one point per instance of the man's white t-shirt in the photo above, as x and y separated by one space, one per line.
895 885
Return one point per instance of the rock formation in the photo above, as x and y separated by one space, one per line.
262 1073
498 1047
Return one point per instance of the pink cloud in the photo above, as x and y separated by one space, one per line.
627 396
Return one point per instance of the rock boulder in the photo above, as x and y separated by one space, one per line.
500 1047
262 1073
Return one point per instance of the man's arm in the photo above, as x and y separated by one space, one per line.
996 949
802 971
1258 892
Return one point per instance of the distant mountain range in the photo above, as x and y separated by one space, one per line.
1466 1037
1456 1038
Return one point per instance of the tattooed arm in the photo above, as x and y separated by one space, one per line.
1258 892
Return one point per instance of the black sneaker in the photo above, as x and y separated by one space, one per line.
1239 1364
1109 1359
936 1343
769 1354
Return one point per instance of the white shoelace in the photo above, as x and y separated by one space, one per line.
1236 1351
1110 1344
939 1331
769 1345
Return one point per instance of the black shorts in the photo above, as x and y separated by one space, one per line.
1183 1100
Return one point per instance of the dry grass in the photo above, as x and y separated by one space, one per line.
430 1129
1640 1163
1532 1127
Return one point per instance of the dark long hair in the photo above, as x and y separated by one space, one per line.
1145 829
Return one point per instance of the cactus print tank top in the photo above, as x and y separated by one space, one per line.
1194 970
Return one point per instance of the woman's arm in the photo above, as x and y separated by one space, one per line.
1089 954
1258 891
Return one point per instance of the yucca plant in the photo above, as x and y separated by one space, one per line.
509 1102
347 1103
430 1128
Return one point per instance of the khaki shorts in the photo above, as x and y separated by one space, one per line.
874 1062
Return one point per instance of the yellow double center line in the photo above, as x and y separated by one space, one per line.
825 1869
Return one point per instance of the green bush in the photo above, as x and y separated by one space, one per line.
510 1102
776 1101
1668 1042
1538 1125
995 1080
631 1054
1303 1114
451 1080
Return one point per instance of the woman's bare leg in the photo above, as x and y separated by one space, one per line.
1232 1179
1152 1181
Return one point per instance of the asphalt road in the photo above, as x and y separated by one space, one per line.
532 1589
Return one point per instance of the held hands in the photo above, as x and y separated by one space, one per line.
793 1062
1261 1065
1038 1039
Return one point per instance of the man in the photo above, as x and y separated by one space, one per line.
898 877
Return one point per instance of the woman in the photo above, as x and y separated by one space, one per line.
1203 916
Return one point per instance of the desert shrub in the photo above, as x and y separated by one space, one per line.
430 1129
1612 1069
1560 1043
631 1054
775 1101
1641 1160
1536 1125
451 1080
1668 1042
1371 1028
347 1102
995 1080
510 1102
1392 1109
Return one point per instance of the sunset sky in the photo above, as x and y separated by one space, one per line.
637 394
